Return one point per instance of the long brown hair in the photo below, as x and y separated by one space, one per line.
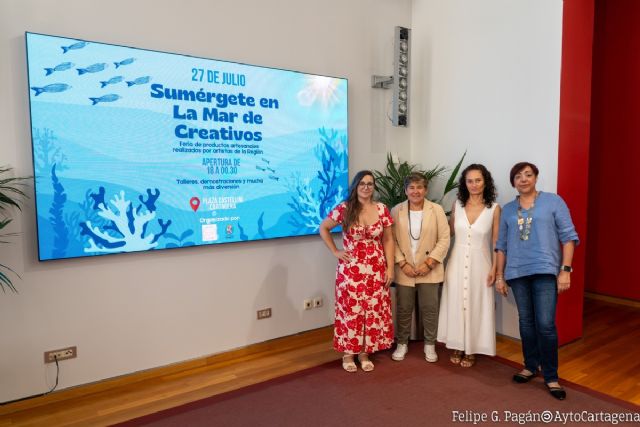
354 207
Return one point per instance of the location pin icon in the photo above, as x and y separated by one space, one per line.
195 203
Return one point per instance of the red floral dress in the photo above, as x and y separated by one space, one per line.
363 321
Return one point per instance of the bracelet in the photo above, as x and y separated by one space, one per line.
499 279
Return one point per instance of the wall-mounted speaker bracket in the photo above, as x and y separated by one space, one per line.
381 82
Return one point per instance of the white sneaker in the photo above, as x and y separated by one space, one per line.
400 353
430 353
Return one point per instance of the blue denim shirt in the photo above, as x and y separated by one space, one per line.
542 252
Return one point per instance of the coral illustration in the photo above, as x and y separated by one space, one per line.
86 210
90 209
180 240
46 152
126 227
314 198
60 230
73 220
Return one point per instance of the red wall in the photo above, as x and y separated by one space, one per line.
573 150
614 205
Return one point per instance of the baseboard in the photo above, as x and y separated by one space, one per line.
252 351
503 337
613 300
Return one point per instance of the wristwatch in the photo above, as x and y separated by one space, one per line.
566 268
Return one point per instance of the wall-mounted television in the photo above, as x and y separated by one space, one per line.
138 150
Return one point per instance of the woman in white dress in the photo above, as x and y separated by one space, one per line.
467 308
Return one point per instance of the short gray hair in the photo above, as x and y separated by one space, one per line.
415 177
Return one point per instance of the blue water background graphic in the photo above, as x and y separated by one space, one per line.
127 145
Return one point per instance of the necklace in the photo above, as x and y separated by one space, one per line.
410 231
524 224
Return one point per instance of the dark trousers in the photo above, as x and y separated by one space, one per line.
536 297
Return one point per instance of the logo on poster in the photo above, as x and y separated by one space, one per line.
209 232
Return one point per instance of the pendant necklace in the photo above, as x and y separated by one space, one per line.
410 230
524 224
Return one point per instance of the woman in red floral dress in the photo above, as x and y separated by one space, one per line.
363 322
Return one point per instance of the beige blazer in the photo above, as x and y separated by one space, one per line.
434 242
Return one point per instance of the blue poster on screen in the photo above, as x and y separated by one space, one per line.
138 150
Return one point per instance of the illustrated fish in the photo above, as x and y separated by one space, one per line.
139 81
124 62
272 170
52 88
60 67
74 46
274 177
95 68
265 160
106 98
260 169
112 81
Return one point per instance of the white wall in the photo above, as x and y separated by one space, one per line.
486 79
137 311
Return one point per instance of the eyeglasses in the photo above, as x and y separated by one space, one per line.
365 184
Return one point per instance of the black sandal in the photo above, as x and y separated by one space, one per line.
521 378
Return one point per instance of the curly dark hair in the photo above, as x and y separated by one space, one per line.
488 195
353 208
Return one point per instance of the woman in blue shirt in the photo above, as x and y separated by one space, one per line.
535 243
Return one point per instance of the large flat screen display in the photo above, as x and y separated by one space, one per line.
136 150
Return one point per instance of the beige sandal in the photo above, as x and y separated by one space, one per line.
365 363
468 361
348 363
456 357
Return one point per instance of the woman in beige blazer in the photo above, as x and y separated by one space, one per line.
421 231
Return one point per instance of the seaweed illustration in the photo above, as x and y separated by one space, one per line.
261 232
46 152
60 230
179 240
126 227
243 235
311 206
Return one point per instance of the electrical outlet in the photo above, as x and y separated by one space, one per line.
308 304
265 313
317 302
61 354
